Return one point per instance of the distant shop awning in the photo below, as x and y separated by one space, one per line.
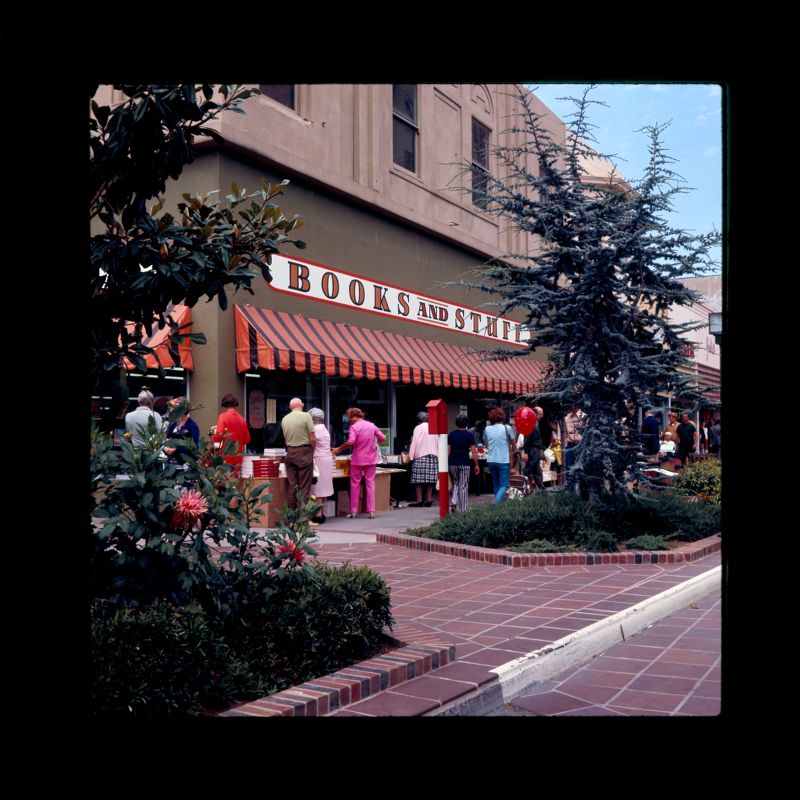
267 339
166 353
709 378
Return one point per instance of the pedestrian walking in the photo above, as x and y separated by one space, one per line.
532 452
497 439
461 448
687 438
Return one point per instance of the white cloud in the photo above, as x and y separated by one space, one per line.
702 117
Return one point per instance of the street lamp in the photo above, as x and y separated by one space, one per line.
715 326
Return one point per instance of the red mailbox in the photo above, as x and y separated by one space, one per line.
437 416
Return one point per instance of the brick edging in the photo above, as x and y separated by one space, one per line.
691 551
413 656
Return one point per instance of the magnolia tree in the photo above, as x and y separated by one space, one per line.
145 259
597 287
156 530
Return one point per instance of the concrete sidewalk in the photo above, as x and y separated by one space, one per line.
395 520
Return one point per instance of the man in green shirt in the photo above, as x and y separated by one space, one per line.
298 431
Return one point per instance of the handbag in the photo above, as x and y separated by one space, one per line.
315 473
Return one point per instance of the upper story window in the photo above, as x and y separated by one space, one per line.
282 92
404 125
480 163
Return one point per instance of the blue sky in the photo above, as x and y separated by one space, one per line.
694 137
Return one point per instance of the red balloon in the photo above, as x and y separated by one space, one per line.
525 420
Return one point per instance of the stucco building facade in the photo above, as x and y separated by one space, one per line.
369 314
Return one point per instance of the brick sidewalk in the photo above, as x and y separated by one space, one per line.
494 614
672 668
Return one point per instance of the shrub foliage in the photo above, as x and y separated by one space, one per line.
311 628
567 521
702 479
193 609
166 659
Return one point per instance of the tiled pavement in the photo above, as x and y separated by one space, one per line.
490 613
494 614
672 668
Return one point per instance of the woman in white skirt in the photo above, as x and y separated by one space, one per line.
323 461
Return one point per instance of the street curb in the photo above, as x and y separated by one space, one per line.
577 648
580 647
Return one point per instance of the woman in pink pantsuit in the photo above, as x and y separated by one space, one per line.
364 460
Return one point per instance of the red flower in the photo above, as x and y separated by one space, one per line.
190 506
291 550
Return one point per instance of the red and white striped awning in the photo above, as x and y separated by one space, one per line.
268 339
164 355
709 378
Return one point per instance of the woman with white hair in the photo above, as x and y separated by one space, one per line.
323 461
424 454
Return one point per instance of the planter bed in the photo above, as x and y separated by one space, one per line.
688 551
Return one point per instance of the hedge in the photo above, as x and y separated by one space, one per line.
165 659
564 520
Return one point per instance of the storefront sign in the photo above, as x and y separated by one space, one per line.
255 408
306 279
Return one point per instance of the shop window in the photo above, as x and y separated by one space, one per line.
372 397
267 402
173 384
283 93
404 125
480 164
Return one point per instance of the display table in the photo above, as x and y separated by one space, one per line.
270 514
